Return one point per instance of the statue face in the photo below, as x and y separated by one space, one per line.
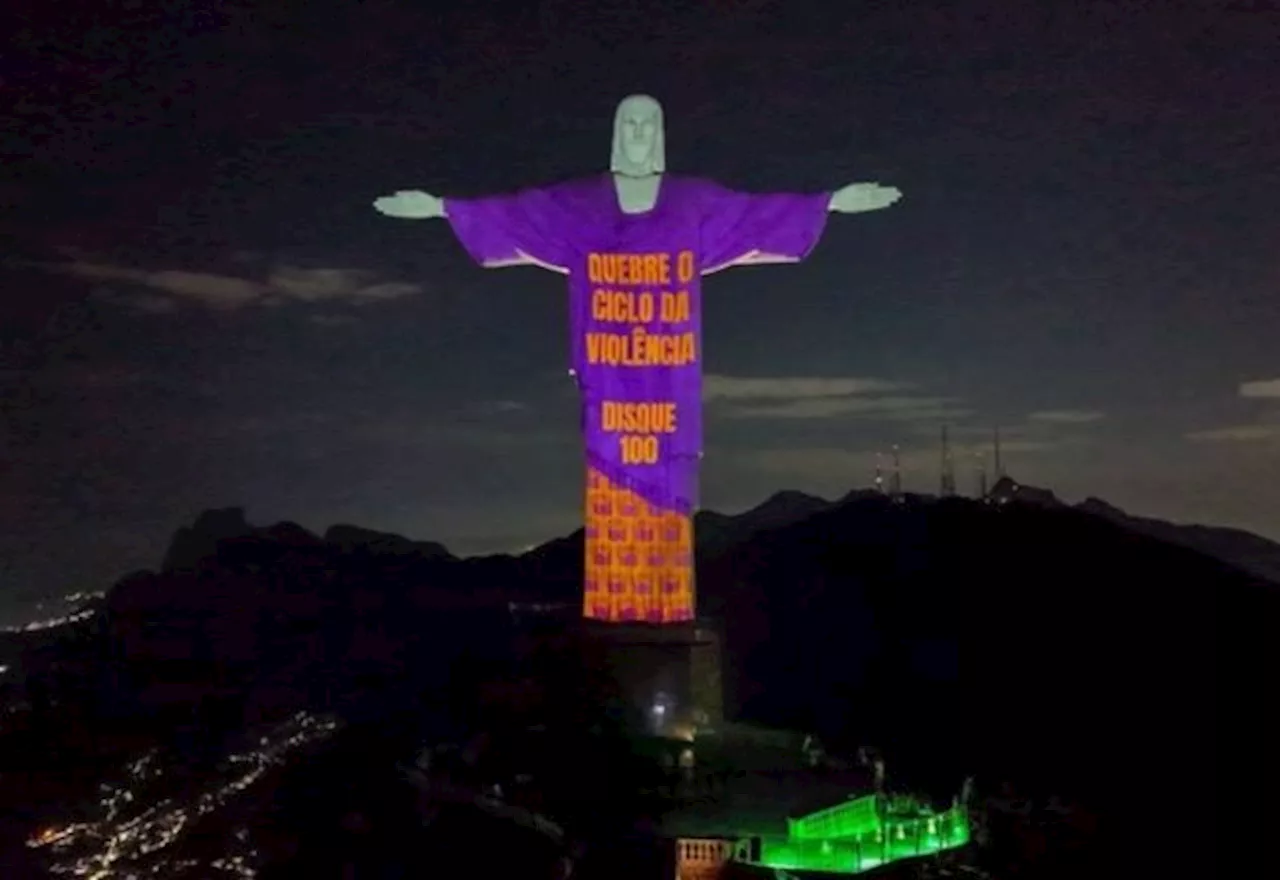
637 137
639 132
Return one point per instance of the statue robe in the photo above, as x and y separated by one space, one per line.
635 312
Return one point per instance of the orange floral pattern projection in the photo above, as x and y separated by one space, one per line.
639 558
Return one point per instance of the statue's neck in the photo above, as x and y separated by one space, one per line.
637 195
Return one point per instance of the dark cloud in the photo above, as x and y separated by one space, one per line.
173 287
1067 416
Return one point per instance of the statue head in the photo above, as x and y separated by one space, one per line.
637 138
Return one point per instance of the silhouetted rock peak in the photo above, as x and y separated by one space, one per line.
1007 489
787 506
292 534
1253 553
863 495
1098 507
571 542
716 532
199 542
356 539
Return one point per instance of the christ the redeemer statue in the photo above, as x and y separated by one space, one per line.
635 244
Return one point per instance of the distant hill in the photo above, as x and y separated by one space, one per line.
1250 552
1076 650
788 577
552 570
1021 640
718 532
1245 550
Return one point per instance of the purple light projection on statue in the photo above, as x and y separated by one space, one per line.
635 308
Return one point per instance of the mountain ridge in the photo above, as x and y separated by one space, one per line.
1020 638
716 531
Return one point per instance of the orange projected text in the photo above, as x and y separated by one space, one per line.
639 557
626 307
638 450
640 348
638 424
638 418
646 269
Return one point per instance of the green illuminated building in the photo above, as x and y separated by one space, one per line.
860 834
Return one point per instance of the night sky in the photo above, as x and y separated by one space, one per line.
201 309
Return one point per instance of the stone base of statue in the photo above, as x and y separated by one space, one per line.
668 675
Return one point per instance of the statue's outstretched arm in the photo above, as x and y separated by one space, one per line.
411 204
526 228
858 197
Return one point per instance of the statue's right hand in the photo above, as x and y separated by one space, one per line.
410 204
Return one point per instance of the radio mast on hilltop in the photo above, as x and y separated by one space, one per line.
895 481
879 475
948 487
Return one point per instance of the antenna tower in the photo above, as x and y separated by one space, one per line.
879 475
948 487
998 463
895 482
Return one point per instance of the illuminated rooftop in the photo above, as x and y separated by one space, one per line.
851 837
863 833
776 808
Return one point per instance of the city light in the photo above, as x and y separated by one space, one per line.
79 607
129 843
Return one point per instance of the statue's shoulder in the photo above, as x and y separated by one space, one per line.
578 194
695 190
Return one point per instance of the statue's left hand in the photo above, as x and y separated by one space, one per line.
411 204
858 197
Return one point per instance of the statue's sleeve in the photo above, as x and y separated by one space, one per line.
746 229
528 228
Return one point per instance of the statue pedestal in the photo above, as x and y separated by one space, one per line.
669 674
